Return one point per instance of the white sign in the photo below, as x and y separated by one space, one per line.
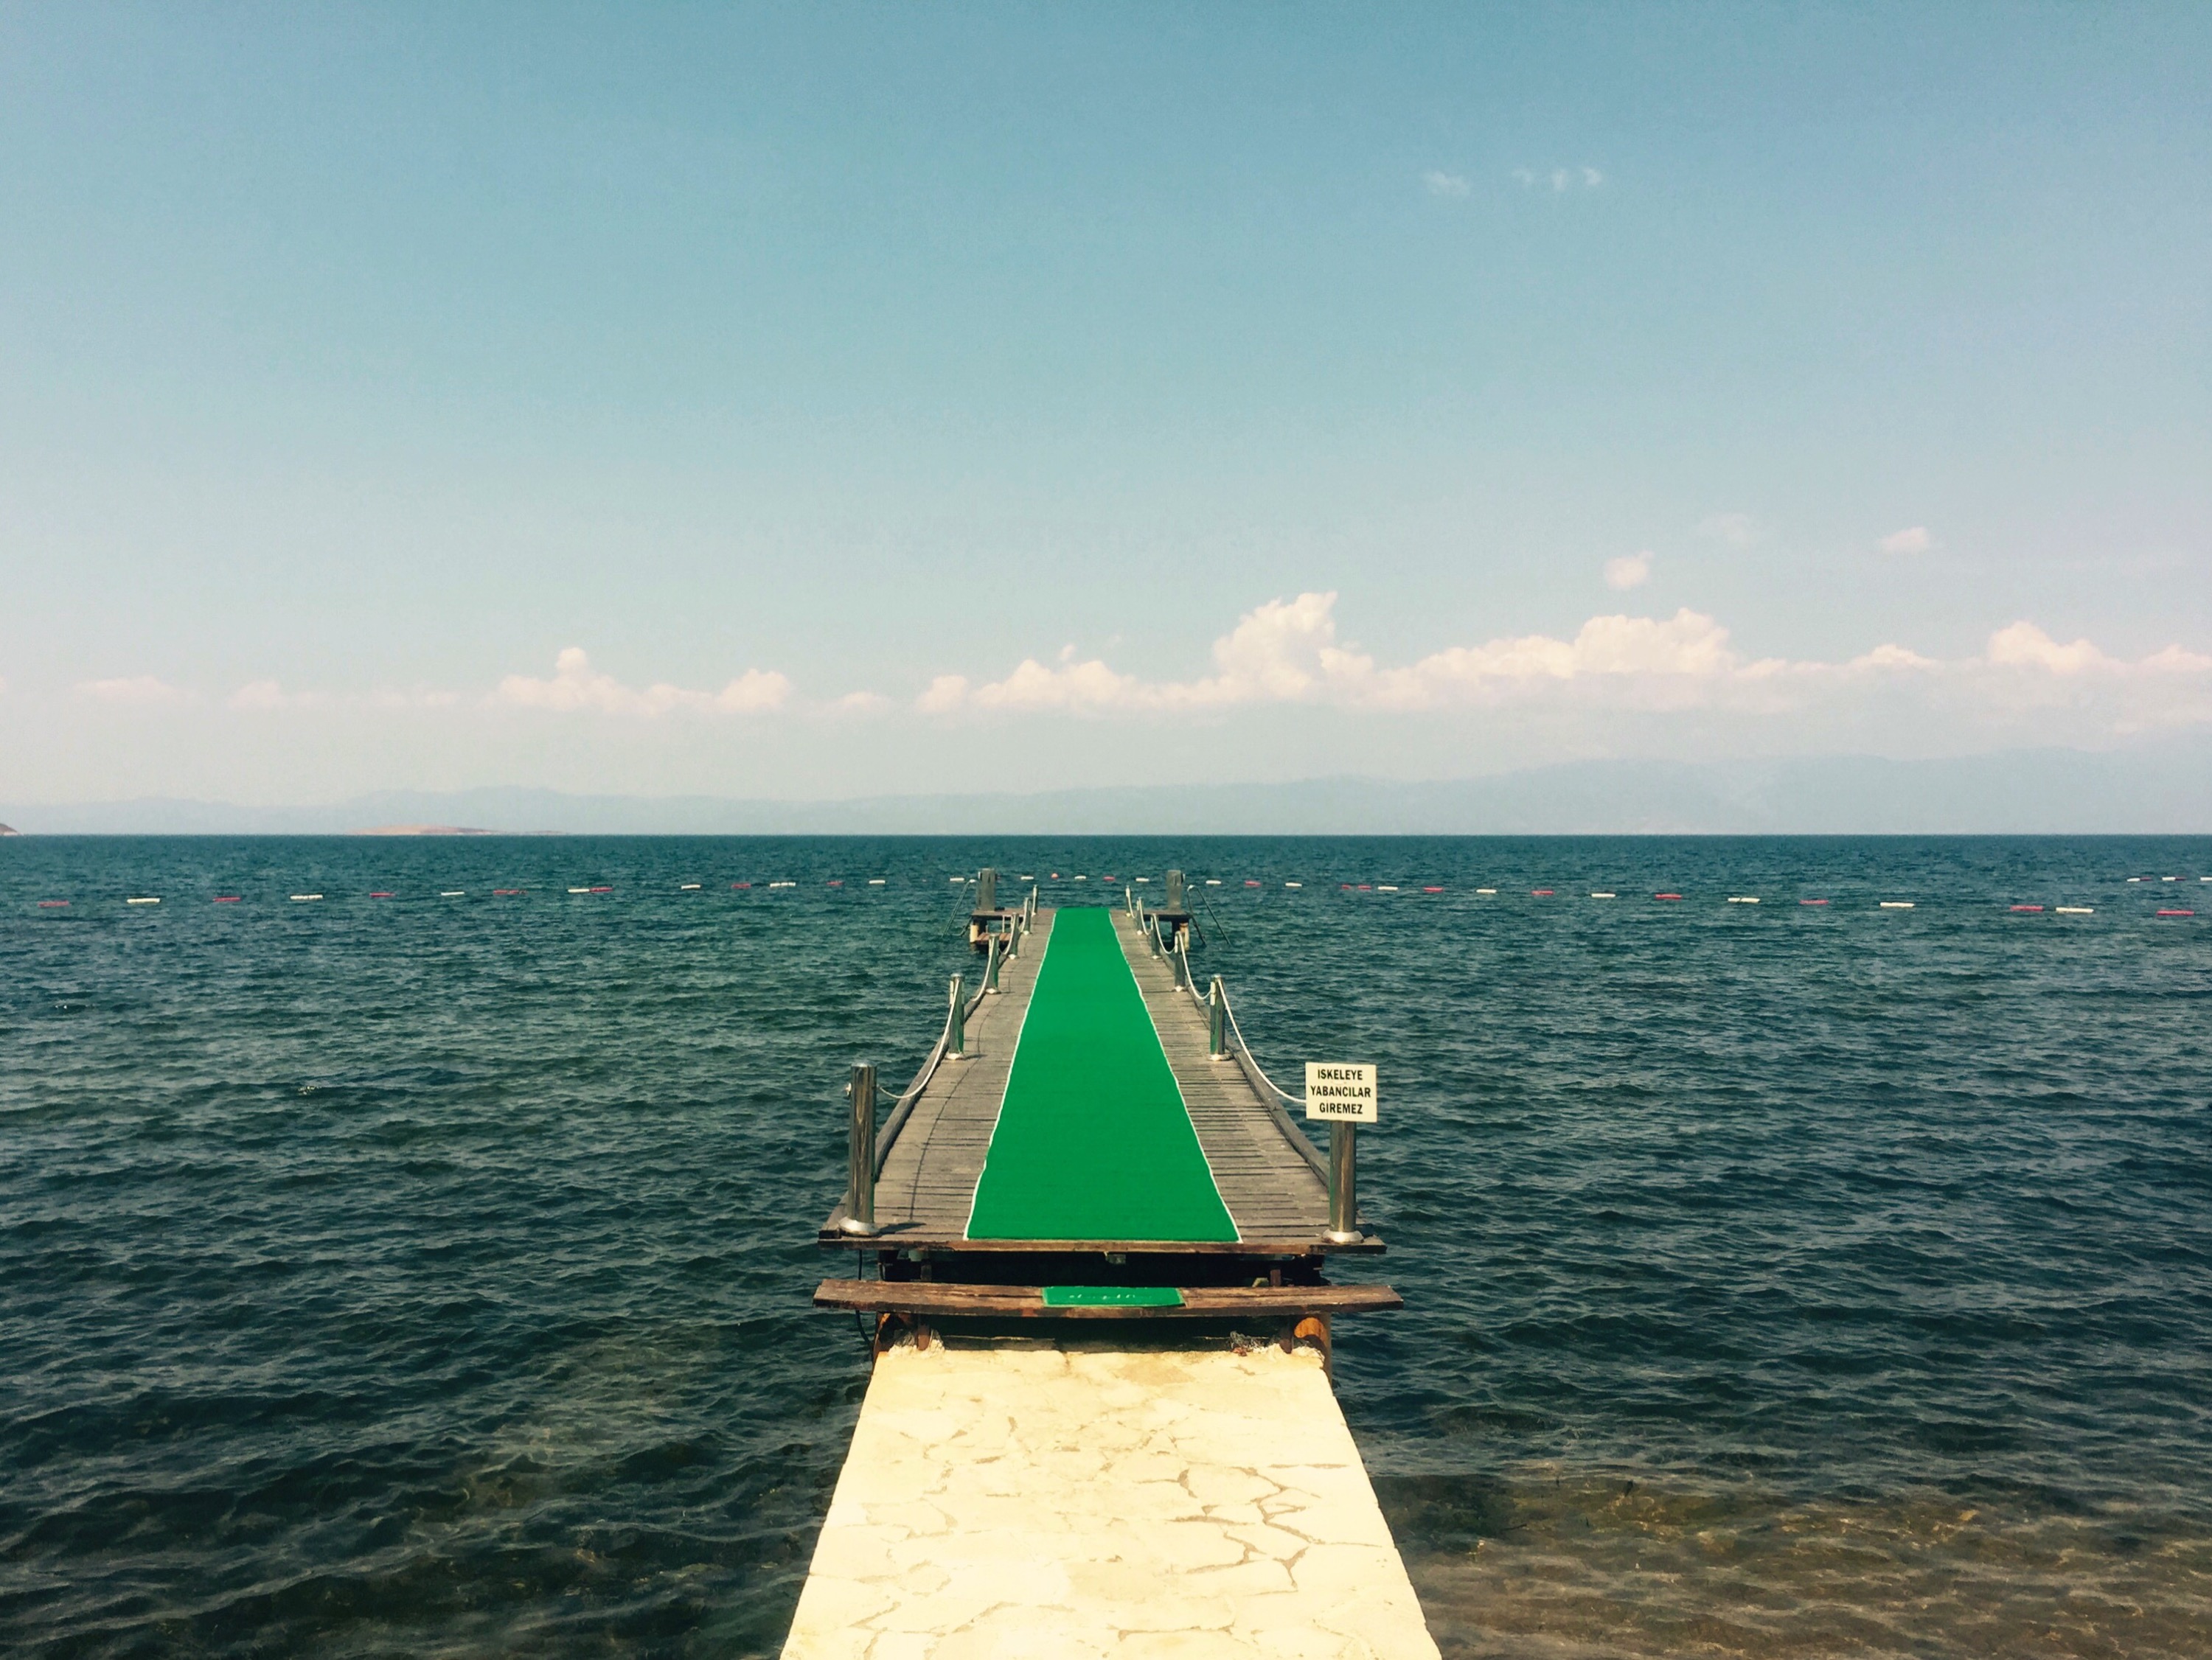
1340 1090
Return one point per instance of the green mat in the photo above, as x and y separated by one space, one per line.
1093 1141
1112 1296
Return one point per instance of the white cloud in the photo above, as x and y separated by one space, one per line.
1286 651
1913 540
1734 530
2024 646
576 686
260 695
1629 571
138 691
1891 657
1445 183
860 703
1584 177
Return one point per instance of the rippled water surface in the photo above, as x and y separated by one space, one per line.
430 1274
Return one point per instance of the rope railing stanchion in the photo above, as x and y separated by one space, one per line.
1217 1029
991 966
956 1027
860 1171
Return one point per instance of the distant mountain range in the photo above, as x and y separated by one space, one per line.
2023 791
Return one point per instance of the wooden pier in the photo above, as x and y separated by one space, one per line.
1101 1419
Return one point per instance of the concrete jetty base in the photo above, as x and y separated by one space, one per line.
1068 1499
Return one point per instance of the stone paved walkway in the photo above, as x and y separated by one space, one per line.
1041 1501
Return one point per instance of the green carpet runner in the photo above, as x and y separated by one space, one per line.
1093 1141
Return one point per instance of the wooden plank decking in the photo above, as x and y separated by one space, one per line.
1277 1200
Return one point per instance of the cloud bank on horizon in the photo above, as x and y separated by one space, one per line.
1287 652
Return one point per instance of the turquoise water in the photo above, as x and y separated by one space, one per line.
430 1274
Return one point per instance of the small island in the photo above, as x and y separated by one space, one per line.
423 830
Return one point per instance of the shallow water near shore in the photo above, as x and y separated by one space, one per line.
430 1274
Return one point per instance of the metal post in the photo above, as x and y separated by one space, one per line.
1181 963
987 889
861 1178
1217 1021
955 1034
1175 901
1343 1184
991 965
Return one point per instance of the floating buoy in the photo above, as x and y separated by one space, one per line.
1366 887
1252 882
1743 898
156 901
2027 907
52 904
1083 879
1812 901
956 879
603 888
1543 893
1214 882
505 892
1432 890
452 893
878 881
1605 896
1897 905
1294 884
2135 878
1666 896
579 890
735 885
219 898
380 896
2176 913
840 882
687 888
1485 890
2077 910
2169 879
303 898
783 884
1141 879
1386 889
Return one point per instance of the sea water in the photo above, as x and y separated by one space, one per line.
430 1274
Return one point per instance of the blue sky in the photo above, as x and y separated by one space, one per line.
887 398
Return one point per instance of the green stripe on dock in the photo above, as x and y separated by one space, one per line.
1093 1141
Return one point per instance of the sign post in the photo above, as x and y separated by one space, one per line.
1341 1092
